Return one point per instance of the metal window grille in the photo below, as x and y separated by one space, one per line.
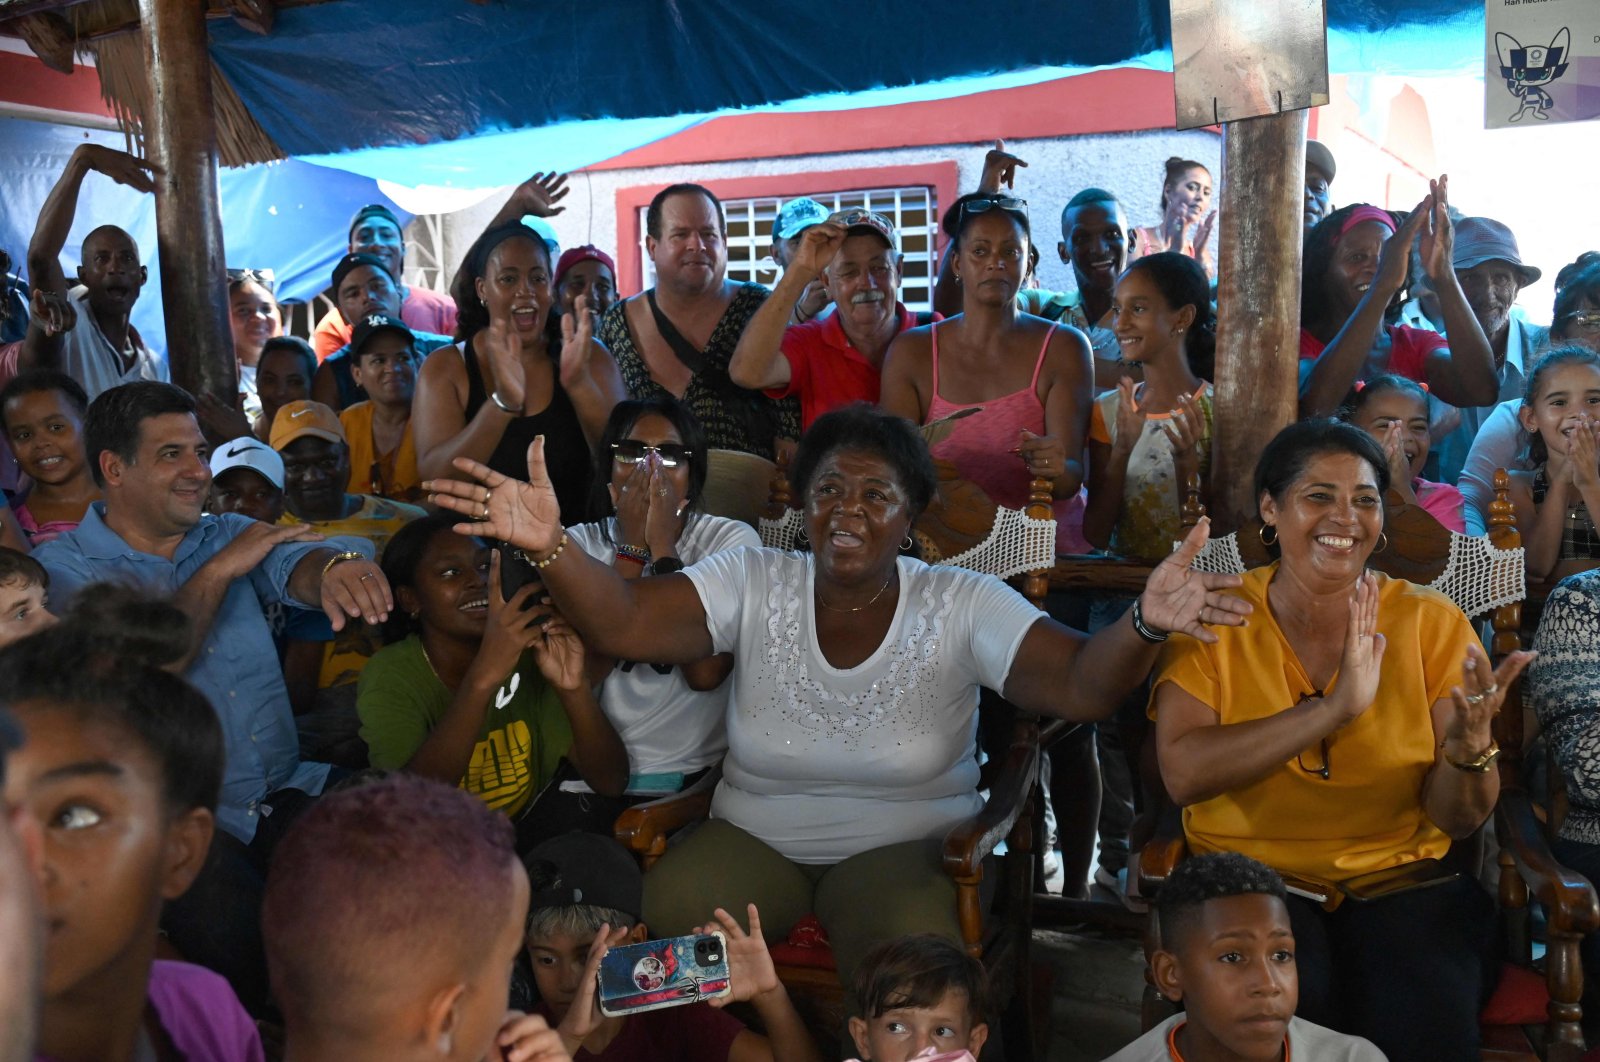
912 210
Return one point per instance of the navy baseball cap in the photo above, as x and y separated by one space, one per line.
355 261
374 323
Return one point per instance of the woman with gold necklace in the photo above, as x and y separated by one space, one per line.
488 693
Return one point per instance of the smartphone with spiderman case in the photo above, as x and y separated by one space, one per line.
663 973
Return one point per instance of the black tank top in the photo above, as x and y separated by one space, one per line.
566 451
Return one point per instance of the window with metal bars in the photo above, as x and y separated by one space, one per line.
912 210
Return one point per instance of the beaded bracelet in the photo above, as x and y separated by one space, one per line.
553 553
639 554
1143 629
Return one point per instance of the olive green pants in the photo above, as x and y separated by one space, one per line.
874 896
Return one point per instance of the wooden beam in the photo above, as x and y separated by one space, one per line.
1258 303
181 135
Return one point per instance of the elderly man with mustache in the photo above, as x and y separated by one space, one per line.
831 361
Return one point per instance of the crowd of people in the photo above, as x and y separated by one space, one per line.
318 708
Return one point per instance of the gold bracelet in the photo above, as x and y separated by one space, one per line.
337 557
551 559
1479 765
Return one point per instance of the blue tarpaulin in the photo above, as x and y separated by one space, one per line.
499 89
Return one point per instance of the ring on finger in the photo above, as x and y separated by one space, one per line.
485 514
365 576
1475 698
1491 689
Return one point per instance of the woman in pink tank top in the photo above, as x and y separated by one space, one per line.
1029 378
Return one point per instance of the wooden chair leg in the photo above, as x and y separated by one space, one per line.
1564 978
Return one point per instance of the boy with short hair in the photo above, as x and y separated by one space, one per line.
916 994
24 596
1227 953
587 896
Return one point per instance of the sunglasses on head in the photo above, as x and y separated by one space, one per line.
265 277
983 204
632 451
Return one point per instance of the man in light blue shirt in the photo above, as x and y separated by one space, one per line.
147 452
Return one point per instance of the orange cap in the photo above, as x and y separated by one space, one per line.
299 419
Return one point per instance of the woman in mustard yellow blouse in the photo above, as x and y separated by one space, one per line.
1346 731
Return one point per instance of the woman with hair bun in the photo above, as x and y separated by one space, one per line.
1185 226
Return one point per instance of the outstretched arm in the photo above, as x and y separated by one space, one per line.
660 619
1101 670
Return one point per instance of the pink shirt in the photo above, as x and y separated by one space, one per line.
980 447
1442 502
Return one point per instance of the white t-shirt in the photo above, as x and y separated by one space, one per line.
1308 1042
666 726
824 764
89 357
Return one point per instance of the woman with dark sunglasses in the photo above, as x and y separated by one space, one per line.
647 524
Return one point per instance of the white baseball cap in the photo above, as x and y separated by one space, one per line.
248 452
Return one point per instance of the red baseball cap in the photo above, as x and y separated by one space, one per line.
587 253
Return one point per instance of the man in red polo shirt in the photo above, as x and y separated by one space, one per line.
834 360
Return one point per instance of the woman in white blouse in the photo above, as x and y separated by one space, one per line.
852 717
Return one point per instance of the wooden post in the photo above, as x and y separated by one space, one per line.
181 140
1258 326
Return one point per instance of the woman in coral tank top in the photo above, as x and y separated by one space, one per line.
1029 378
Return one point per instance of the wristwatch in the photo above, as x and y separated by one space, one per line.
1480 765
665 566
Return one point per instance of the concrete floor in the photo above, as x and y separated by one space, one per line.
1098 983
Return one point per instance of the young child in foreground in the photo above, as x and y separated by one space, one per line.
24 596
587 896
1227 954
393 913
120 767
919 997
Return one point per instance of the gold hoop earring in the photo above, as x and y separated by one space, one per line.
1261 532
1383 542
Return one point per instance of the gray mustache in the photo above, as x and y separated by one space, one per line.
866 296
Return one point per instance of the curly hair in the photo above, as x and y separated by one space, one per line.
866 428
1216 876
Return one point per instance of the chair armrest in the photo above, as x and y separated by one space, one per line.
1568 897
1161 854
967 843
643 828
1099 573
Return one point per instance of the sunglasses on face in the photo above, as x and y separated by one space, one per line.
984 204
632 451
1587 320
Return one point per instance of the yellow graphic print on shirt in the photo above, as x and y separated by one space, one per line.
501 769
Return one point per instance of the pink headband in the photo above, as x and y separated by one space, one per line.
1367 213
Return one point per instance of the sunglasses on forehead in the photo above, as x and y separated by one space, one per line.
986 203
632 451
265 277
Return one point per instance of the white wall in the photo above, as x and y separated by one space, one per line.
1128 164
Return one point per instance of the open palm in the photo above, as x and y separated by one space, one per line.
1179 599
524 515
